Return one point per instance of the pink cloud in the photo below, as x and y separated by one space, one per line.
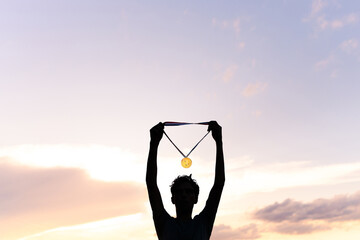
224 232
349 46
229 73
236 25
321 22
317 6
37 199
254 88
257 113
324 63
300 228
295 217
232 24
241 45
339 208
335 24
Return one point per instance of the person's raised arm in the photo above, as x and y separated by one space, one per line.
156 203
215 193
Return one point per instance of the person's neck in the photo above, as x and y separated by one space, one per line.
183 216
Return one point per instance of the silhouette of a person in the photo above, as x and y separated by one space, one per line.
185 193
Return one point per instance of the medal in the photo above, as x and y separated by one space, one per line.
186 161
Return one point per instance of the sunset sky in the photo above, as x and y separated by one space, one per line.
83 81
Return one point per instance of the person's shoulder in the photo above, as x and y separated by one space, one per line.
161 219
201 216
161 215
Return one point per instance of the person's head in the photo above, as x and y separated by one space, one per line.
184 191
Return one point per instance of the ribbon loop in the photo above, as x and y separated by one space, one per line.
181 124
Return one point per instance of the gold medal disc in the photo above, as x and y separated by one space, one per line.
186 162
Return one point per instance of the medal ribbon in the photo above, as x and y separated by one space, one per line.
181 124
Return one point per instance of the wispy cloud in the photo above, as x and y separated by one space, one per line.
241 45
229 73
235 24
257 113
101 162
295 217
300 228
330 63
224 232
253 63
254 88
338 208
349 46
322 22
334 24
334 73
252 178
53 197
317 6
324 63
128 227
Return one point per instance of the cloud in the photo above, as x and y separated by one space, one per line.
351 18
324 24
321 22
241 45
254 88
37 199
346 20
135 227
224 232
218 23
257 113
232 24
101 162
349 46
236 25
253 63
322 64
317 6
266 178
334 73
229 73
295 217
300 228
337 23
339 208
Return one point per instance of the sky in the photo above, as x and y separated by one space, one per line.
82 82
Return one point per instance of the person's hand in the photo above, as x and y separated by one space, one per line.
216 132
156 133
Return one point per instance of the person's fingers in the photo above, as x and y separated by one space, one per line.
212 125
160 125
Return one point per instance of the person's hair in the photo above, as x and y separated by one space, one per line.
184 179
